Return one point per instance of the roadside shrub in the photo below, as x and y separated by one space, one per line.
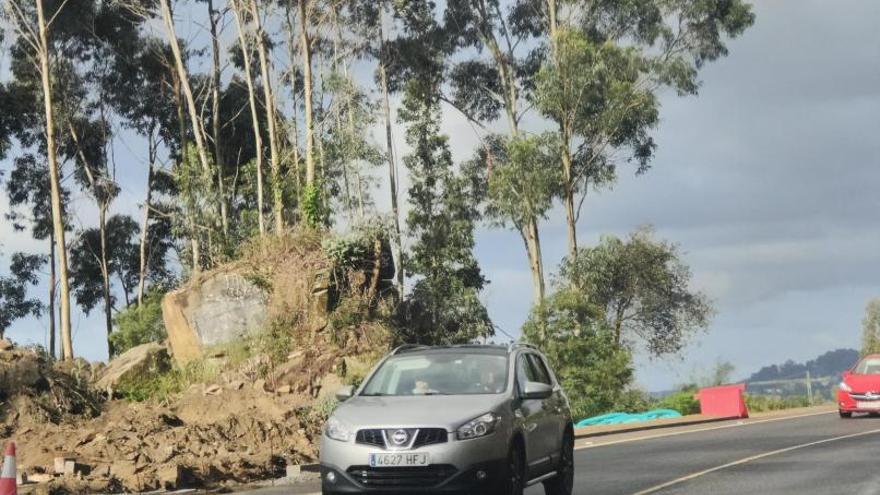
137 325
761 403
682 401
594 371
634 400
163 387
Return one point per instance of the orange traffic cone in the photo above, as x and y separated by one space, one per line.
7 477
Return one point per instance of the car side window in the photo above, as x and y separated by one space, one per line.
523 371
539 369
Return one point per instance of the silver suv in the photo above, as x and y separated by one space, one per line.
472 419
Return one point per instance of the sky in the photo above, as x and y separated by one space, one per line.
768 182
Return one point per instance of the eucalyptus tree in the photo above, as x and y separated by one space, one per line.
606 61
495 79
33 55
271 118
141 90
642 287
240 11
444 304
215 22
308 11
15 303
28 189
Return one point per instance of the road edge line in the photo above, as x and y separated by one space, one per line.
738 423
746 460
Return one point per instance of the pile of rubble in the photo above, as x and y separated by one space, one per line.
214 434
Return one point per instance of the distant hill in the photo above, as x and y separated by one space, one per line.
831 363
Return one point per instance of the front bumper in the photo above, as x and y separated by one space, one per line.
846 403
457 466
389 482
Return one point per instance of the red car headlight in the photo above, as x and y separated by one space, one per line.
844 387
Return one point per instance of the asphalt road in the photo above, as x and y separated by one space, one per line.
820 454
817 454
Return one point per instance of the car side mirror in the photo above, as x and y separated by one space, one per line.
536 391
344 393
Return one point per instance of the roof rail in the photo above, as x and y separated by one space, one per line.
406 347
516 345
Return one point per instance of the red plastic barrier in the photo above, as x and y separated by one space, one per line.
723 402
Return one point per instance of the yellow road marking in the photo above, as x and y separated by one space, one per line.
698 474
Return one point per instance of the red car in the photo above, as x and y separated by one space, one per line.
859 391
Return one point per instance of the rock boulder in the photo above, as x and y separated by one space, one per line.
221 307
136 361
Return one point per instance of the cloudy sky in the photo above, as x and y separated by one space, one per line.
768 180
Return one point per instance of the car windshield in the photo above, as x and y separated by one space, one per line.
439 374
868 366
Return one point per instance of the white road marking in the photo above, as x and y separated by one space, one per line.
594 445
745 460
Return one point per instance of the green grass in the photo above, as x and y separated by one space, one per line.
163 387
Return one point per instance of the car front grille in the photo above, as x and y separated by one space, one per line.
430 436
424 437
370 437
427 476
869 396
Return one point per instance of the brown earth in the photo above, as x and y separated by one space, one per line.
252 415
247 423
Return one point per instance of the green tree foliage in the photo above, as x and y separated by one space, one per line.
15 302
122 261
593 370
871 328
643 288
137 325
444 305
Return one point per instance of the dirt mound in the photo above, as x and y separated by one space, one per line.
34 390
210 437
234 413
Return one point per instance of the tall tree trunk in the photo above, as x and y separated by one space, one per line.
392 165
291 54
213 17
184 143
568 194
565 149
183 75
306 50
55 182
145 223
52 282
271 120
255 116
536 262
105 274
103 203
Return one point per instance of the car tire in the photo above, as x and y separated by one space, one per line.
563 482
513 478
845 414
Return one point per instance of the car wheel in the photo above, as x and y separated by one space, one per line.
563 482
845 414
512 480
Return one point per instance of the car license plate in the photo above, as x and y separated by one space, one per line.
868 405
404 459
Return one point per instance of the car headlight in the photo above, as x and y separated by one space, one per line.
844 387
478 427
337 430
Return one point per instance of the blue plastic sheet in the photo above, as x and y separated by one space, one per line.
624 418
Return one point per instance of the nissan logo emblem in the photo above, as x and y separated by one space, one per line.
400 437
